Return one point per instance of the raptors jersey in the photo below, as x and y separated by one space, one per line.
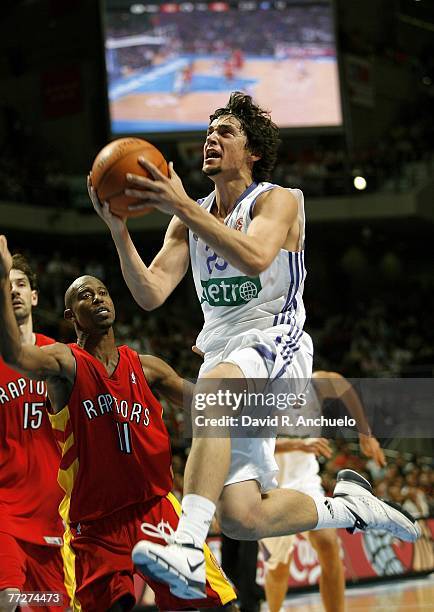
29 460
115 446
234 303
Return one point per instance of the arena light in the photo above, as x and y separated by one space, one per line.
137 9
360 183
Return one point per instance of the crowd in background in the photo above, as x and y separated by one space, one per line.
255 32
30 172
398 162
407 479
359 325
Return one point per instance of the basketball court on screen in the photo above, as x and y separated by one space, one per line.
298 91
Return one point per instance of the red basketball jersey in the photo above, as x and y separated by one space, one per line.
29 459
116 449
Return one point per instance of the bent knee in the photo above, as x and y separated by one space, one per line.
325 542
279 572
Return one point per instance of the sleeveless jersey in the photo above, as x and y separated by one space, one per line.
115 446
29 459
233 303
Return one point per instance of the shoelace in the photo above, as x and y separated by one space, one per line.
163 531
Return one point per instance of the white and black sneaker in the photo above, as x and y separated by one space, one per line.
370 512
180 565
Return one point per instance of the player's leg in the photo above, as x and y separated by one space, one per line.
276 586
45 572
249 594
229 555
243 513
332 579
246 514
99 559
124 604
209 458
162 517
12 572
205 473
277 554
239 562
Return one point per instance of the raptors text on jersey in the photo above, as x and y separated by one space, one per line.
115 446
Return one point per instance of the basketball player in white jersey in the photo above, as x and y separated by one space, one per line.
299 470
246 245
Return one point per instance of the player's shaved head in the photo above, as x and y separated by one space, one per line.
74 287
88 306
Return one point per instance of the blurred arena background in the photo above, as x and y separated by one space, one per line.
368 189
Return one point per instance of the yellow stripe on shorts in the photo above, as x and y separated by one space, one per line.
66 480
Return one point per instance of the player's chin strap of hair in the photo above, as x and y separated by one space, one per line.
163 531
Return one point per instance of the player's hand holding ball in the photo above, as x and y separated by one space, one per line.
107 183
114 222
165 193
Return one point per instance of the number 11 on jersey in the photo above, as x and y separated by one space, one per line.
124 437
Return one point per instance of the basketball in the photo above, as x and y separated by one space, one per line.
112 164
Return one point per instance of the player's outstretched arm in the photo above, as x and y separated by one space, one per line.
164 380
150 286
32 361
334 385
275 213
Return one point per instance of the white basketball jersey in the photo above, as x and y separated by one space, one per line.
232 302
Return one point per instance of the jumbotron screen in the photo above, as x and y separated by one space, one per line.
169 65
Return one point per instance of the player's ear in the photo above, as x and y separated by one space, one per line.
34 297
68 314
254 157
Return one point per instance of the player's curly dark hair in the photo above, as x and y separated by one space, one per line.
19 262
262 134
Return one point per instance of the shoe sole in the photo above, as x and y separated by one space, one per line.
402 525
156 568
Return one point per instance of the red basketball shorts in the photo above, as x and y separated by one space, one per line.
32 567
98 554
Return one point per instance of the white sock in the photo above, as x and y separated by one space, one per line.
196 517
332 513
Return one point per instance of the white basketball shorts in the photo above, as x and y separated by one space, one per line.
260 357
